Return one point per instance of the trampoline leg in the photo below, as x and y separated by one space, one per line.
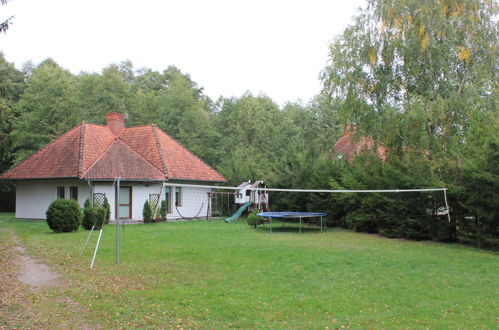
300 225
270 223
321 222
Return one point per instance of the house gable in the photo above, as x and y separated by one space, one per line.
120 161
142 140
96 140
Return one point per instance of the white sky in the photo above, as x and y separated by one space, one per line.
228 47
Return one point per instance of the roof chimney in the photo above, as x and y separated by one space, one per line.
115 122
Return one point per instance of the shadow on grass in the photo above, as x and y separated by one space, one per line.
281 227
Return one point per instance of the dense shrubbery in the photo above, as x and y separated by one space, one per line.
397 215
64 215
93 216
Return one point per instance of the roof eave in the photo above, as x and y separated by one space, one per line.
197 180
124 179
47 178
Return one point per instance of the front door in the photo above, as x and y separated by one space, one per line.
125 203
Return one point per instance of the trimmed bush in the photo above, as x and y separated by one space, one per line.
108 210
64 215
147 212
163 210
93 216
253 219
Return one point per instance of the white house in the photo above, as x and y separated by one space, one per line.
93 160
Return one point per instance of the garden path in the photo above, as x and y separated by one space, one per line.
32 294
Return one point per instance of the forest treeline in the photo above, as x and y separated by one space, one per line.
418 78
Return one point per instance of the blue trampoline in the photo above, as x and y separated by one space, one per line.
293 215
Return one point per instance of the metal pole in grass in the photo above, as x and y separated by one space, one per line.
86 242
446 205
96 248
118 222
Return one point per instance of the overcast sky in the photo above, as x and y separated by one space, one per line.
228 47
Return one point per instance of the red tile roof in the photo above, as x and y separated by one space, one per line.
122 161
58 159
91 151
347 147
181 163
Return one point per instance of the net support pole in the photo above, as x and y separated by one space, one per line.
446 204
117 216
208 205
96 248
86 242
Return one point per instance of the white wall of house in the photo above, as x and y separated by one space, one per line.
107 189
140 193
194 201
34 197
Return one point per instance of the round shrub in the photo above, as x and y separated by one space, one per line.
253 219
93 216
64 215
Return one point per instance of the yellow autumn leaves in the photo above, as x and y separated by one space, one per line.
464 54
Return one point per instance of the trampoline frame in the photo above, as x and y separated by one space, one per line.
290 215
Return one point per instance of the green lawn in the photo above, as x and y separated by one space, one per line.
211 274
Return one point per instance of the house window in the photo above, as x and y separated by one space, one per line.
178 196
168 199
60 192
73 193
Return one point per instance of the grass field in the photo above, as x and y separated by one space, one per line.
211 274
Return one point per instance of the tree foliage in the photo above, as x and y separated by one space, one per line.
4 26
46 109
420 77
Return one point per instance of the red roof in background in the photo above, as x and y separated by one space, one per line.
91 151
348 147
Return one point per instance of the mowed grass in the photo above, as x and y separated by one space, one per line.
212 274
